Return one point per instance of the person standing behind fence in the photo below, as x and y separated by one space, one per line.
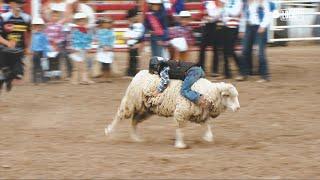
16 27
134 37
40 46
106 38
231 19
181 38
258 16
57 39
81 39
156 23
211 34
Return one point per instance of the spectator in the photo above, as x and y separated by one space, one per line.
134 38
211 35
231 19
183 34
156 24
258 19
57 38
106 38
81 39
40 46
15 26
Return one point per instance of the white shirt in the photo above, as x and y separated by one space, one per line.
134 33
232 13
254 16
214 12
233 8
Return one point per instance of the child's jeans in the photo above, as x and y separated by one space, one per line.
37 72
193 75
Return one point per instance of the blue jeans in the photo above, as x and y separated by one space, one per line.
156 50
193 75
251 35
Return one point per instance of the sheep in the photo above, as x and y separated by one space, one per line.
138 104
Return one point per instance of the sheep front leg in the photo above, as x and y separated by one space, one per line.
179 143
179 139
208 136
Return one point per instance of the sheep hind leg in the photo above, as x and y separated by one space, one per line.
208 136
119 117
137 118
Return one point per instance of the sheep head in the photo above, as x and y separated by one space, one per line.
229 97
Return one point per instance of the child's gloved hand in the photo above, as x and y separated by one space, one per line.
202 102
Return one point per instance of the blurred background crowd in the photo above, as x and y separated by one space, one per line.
62 36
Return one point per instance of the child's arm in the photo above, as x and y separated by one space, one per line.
164 75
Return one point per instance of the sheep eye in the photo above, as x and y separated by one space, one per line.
226 95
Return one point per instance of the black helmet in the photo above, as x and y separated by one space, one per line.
155 63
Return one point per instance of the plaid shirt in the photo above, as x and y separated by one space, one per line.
181 31
164 75
55 33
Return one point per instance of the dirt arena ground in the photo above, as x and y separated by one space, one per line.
57 131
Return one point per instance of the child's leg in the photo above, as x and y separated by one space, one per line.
37 69
193 75
84 69
64 54
135 61
132 69
75 73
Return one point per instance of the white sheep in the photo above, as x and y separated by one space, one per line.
138 104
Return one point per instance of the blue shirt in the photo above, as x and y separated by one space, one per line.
40 42
80 40
105 37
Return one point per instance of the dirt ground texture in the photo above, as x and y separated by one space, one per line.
57 130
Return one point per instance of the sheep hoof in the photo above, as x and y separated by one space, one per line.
180 145
208 138
136 138
107 130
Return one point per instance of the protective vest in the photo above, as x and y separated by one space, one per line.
178 70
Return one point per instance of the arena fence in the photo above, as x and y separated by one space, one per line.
299 17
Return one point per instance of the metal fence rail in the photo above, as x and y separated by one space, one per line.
293 10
